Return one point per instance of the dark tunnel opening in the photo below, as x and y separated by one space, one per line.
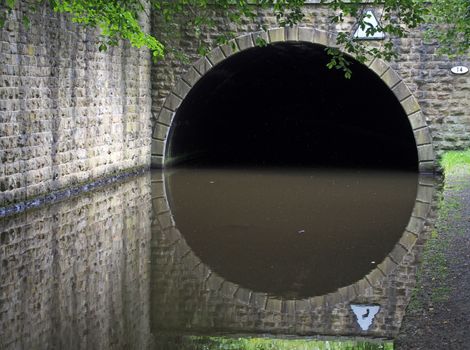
279 105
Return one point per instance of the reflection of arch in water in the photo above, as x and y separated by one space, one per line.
409 104
213 302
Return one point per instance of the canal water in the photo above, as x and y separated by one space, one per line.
216 259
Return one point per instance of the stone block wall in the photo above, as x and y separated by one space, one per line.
68 113
444 98
71 114
75 274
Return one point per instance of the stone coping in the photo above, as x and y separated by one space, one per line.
66 193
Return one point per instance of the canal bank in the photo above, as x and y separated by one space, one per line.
439 312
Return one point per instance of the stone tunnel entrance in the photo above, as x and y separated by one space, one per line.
290 233
280 105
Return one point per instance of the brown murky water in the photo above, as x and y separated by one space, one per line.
291 233
146 263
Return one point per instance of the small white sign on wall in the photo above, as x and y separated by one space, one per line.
459 70
365 314
371 21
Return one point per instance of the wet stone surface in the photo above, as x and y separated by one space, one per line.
75 274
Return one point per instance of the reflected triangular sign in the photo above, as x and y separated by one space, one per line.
365 314
360 33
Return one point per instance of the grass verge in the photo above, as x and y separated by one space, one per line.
432 276
456 161
257 343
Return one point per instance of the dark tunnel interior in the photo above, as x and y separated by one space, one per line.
279 105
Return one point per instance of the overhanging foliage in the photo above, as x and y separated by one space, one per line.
447 22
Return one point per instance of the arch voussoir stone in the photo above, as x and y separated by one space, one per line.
172 102
316 302
191 76
229 289
261 35
245 42
401 91
181 88
243 295
348 292
302 305
259 300
408 240
160 132
426 152
202 66
410 105
158 147
306 34
276 35
274 305
387 266
230 48
417 120
216 56
214 282
292 33
320 37
390 77
421 209
165 117
427 167
378 66
422 134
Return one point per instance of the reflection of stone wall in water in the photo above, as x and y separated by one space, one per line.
75 274
187 296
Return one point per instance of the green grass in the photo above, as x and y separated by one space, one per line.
432 278
455 161
434 270
247 343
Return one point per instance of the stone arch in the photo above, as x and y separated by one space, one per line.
410 105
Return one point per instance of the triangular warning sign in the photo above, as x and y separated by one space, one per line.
365 314
371 21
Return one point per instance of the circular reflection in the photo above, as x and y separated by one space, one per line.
289 233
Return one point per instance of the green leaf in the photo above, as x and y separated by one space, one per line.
448 22
26 22
11 4
261 42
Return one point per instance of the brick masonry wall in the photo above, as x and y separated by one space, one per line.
75 274
444 98
68 113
